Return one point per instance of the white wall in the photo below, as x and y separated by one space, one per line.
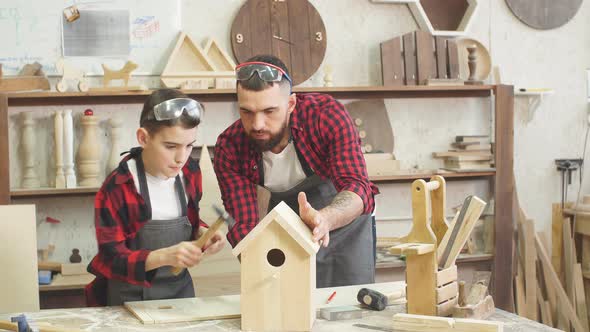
529 58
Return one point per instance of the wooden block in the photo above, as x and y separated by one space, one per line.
19 284
458 235
23 83
421 284
73 269
391 62
420 323
481 310
447 292
564 304
446 308
341 313
446 276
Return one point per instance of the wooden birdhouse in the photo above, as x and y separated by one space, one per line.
278 273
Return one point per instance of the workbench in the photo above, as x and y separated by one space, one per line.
119 319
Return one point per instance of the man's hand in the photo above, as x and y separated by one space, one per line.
314 220
215 244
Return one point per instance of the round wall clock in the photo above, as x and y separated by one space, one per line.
544 14
292 30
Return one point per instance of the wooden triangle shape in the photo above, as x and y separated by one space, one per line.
221 60
187 57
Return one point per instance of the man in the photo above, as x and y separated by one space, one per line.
305 150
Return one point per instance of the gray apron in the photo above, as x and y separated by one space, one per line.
349 258
156 234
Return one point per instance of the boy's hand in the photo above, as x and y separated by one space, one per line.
215 244
184 254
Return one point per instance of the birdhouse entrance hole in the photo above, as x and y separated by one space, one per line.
275 257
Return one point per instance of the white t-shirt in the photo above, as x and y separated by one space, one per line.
163 196
282 171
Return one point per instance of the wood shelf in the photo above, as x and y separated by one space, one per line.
46 192
393 262
416 176
117 97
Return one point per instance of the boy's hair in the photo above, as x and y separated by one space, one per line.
149 122
254 83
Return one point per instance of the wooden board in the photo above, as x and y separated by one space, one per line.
19 287
183 310
441 57
391 61
419 323
425 57
411 77
544 14
581 305
375 122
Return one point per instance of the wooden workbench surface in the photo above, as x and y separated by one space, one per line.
111 319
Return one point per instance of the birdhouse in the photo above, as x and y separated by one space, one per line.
278 273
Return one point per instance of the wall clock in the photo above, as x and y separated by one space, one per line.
289 29
544 14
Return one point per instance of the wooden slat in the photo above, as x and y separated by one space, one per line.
446 276
504 209
410 59
441 57
318 48
447 292
425 56
299 35
565 307
453 54
581 305
279 24
5 160
569 261
260 33
530 269
391 62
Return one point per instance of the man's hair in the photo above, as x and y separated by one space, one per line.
255 83
148 121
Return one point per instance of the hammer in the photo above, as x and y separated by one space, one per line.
376 300
224 217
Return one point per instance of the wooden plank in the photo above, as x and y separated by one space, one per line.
581 305
425 56
557 239
279 26
569 261
391 62
441 57
453 55
447 292
446 276
520 296
185 310
545 314
19 284
410 59
299 35
420 292
5 160
446 308
420 323
530 269
504 209
470 213
565 307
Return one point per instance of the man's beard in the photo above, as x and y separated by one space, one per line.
266 145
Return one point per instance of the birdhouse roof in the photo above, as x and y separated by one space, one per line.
290 222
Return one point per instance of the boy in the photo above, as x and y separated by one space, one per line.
147 210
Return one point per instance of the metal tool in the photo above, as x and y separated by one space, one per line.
371 327
224 217
567 167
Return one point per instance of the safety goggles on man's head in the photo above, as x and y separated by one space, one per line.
174 108
266 71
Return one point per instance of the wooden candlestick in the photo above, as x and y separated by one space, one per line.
69 149
472 63
30 177
89 152
60 180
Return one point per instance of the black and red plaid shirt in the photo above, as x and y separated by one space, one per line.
325 136
119 213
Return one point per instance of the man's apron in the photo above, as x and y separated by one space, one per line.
156 234
349 258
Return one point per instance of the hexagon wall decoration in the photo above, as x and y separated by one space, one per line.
421 9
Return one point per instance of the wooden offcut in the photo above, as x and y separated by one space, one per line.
420 323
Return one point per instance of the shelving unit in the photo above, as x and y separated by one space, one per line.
502 179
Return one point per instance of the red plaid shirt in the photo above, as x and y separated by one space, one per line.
328 141
119 213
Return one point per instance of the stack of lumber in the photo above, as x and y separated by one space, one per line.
468 152
540 292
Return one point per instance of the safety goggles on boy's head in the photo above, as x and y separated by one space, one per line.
266 71
174 108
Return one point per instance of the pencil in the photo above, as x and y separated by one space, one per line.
331 297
